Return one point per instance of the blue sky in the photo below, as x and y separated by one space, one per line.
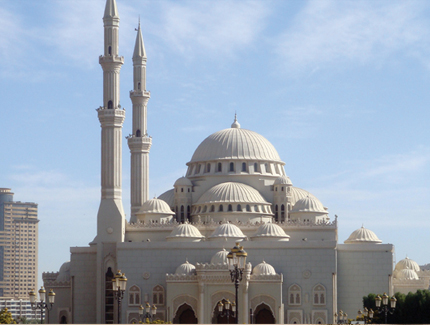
340 88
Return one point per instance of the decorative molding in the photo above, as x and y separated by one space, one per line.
264 299
178 301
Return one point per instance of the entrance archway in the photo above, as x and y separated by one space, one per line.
218 318
263 315
185 315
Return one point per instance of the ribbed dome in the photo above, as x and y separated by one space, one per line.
407 263
235 143
183 181
155 206
283 180
232 192
298 193
227 230
308 204
363 235
407 274
185 230
186 269
264 269
270 230
220 257
64 273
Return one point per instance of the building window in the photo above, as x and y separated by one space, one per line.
221 208
276 213
230 208
208 168
198 169
319 295
212 208
256 168
239 208
110 50
294 294
110 105
231 169
134 296
188 212
219 167
138 133
244 167
182 214
158 295
248 208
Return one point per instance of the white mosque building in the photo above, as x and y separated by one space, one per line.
173 249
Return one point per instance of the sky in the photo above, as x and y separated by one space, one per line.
340 88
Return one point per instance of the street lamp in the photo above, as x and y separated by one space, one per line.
150 312
119 285
366 314
227 309
385 308
42 304
342 318
236 264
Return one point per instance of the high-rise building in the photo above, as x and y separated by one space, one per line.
18 246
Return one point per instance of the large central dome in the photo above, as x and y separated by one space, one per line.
235 143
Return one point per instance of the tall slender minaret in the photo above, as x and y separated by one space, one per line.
110 218
139 142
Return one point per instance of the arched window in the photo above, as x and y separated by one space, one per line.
248 208
138 85
230 207
138 133
182 214
158 295
182 190
110 50
134 296
109 299
221 208
319 295
212 208
231 169
198 169
189 190
276 213
282 213
244 167
208 168
256 208
282 188
205 208
219 167
110 104
256 168
239 208
294 294
188 212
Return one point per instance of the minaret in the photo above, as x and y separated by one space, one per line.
110 218
139 142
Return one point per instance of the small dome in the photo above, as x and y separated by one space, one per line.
185 230
220 257
407 274
228 230
283 180
155 206
186 269
264 269
183 181
235 124
270 230
64 273
363 235
407 263
298 193
309 204
232 192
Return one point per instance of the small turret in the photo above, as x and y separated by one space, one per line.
139 47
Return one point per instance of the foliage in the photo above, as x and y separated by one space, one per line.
157 321
413 308
6 317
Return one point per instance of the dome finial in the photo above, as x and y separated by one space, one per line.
235 124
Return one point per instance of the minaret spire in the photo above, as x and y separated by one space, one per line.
110 218
139 142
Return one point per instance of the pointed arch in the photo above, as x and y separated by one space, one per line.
319 295
294 295
110 104
134 296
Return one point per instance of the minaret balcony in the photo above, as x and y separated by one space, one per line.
111 59
139 144
140 93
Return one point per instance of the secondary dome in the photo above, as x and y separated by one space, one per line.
186 269
185 232
183 181
407 263
270 231
227 230
363 235
283 180
220 257
155 206
64 273
308 204
264 269
407 274
232 192
235 143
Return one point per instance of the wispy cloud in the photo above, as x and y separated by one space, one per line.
212 27
331 32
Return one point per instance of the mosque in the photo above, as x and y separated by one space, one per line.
173 249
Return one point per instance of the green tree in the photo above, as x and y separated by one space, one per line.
6 317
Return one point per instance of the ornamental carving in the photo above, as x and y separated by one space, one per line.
184 299
264 299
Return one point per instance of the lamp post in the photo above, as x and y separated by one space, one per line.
119 285
342 318
236 264
385 308
227 309
366 314
42 303
149 312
